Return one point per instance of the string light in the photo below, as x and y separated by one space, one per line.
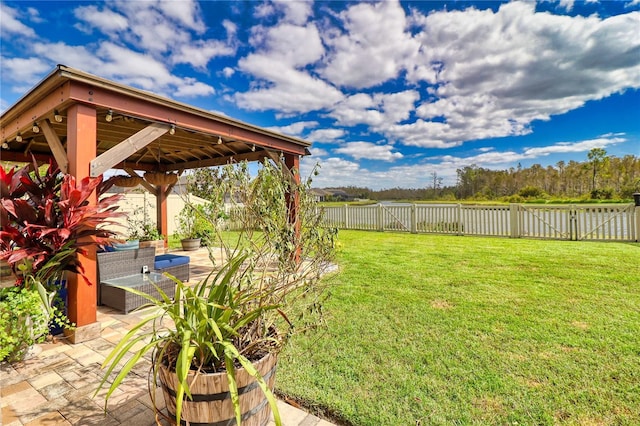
172 130
35 128
5 145
18 137
57 116
219 140
109 116
253 148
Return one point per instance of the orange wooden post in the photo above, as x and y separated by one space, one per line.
293 198
162 219
82 298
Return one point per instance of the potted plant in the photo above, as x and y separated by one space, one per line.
143 230
46 220
214 346
193 226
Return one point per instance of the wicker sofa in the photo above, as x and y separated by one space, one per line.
119 269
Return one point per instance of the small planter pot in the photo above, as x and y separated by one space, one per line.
190 244
211 402
157 244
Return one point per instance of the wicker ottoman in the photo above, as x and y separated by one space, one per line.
176 265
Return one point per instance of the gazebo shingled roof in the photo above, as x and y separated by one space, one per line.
90 124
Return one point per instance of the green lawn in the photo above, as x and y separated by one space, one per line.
460 330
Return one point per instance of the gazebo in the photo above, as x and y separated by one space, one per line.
90 124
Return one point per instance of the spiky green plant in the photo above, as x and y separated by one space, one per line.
268 287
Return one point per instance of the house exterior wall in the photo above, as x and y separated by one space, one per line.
139 201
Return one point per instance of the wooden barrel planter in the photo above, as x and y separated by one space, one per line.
211 404
190 244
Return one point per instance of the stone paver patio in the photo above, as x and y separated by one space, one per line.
55 386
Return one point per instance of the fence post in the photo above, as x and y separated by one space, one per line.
513 219
346 216
573 223
636 231
459 220
414 225
379 218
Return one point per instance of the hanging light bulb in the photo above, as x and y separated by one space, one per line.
18 137
109 116
172 130
35 128
253 147
57 116
5 145
219 140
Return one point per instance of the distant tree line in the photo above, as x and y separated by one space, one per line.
600 177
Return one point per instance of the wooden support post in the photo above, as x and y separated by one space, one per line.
82 298
293 198
162 218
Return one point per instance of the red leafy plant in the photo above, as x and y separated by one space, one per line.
47 220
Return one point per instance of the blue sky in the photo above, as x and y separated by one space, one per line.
388 92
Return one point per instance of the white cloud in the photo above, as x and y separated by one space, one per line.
332 170
567 4
581 146
124 65
282 84
34 15
230 27
161 28
200 52
294 45
368 150
373 48
339 172
23 70
318 152
105 20
228 72
499 71
296 12
325 135
378 110
294 128
425 134
186 12
499 159
189 88
11 25
81 57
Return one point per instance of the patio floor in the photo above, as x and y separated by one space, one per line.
55 386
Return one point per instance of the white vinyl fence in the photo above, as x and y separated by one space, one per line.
601 222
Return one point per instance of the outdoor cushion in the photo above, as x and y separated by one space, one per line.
129 245
164 261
